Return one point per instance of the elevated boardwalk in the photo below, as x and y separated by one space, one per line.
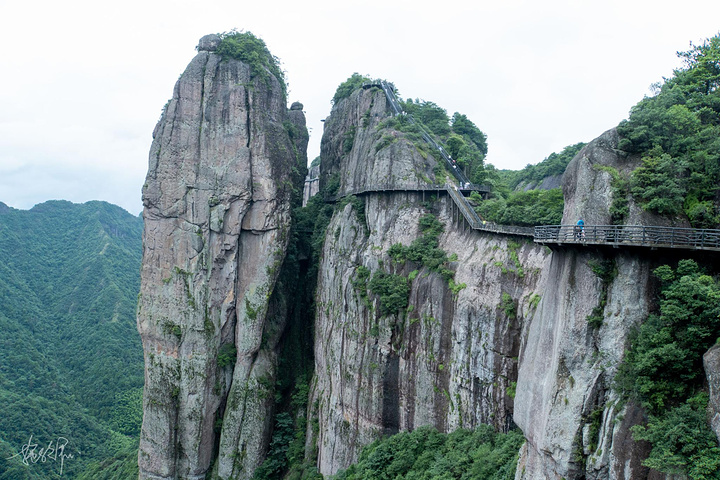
630 236
462 206
617 236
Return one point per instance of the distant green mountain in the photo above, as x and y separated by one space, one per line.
71 363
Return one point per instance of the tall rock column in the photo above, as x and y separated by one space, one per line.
217 211
449 358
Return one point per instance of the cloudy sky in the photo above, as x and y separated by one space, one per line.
83 82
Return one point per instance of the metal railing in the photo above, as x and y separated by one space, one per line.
630 235
390 187
464 207
467 211
451 164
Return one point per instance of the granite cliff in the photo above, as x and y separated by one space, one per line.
473 327
217 211
450 357
519 327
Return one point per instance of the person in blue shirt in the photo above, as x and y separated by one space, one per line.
580 229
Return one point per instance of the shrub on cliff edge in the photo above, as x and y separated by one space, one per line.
249 49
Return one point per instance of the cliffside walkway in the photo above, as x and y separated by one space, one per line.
630 236
614 235
462 207
617 236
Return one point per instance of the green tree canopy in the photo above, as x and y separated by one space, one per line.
461 125
353 82
249 49
678 130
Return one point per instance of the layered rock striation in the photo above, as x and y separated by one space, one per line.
217 211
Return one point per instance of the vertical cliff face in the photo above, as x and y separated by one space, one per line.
565 406
711 362
217 210
450 359
521 325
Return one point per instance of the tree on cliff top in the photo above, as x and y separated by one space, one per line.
249 49
354 82
681 126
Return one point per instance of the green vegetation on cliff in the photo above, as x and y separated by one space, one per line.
663 371
425 250
426 454
524 208
72 360
554 165
249 49
463 140
345 89
677 134
509 204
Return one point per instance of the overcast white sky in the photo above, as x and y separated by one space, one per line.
83 82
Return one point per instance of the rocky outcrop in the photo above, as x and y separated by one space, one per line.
711 362
564 404
588 185
450 360
217 212
358 153
547 183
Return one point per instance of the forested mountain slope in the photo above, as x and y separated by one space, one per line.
72 363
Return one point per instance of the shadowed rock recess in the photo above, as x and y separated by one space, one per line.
217 213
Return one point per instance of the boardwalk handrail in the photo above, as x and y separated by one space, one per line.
472 218
388 187
392 187
464 207
397 108
630 235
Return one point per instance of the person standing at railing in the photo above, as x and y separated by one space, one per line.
580 229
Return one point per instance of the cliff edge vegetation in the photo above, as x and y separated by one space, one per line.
663 371
677 134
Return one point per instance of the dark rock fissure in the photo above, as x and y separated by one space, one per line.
391 395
